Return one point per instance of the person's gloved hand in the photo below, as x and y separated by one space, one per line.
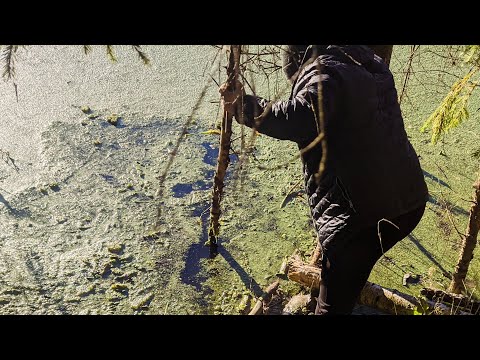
232 99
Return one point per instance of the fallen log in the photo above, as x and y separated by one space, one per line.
274 306
390 301
258 308
305 274
455 300
299 304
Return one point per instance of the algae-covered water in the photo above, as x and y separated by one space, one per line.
76 217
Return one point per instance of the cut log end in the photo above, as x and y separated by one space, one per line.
305 274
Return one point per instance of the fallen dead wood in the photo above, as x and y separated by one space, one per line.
265 298
299 304
373 295
305 274
316 256
391 302
455 300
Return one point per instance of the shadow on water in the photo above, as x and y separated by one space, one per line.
211 154
192 273
247 279
430 257
447 204
436 179
15 212
210 158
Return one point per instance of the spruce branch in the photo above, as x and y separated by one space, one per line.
8 59
453 109
87 49
141 54
111 53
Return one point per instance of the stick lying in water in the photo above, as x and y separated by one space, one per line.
258 308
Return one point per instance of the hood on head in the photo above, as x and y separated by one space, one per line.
294 56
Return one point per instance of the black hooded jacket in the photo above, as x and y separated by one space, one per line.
372 171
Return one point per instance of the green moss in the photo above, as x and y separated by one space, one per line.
113 119
152 235
116 248
127 276
126 258
106 270
142 302
113 297
86 109
119 287
86 290
4 301
54 186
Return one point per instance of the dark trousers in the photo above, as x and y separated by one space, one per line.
351 265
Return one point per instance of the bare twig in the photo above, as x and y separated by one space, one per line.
408 72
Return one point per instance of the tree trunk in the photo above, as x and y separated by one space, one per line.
468 244
384 51
373 295
224 153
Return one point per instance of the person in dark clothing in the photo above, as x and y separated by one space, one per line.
369 192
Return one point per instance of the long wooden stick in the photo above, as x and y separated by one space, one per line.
258 308
223 155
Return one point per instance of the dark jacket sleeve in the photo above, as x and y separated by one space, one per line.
293 119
